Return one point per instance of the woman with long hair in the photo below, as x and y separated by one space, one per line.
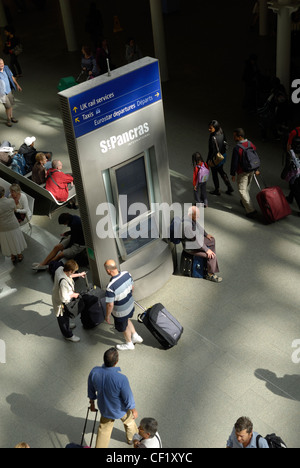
217 144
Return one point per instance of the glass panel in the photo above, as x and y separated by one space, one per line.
132 188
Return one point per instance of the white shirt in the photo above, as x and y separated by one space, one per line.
8 220
23 206
62 291
153 443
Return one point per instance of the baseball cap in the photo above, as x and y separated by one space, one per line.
29 140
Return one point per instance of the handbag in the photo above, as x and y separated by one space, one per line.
219 158
73 308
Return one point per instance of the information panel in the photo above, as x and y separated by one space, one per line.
115 131
118 98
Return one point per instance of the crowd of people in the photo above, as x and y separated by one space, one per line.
39 167
99 61
245 164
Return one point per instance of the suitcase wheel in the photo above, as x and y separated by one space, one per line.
140 317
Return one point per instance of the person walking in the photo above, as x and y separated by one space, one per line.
114 398
243 436
11 237
148 436
132 51
8 84
200 178
13 48
120 304
217 144
242 174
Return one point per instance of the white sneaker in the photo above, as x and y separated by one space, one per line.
72 325
125 346
38 267
74 339
137 339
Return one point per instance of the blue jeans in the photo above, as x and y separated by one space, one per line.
200 194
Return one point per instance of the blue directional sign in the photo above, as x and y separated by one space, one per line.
115 99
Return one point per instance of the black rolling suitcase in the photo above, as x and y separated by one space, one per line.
94 309
163 326
81 445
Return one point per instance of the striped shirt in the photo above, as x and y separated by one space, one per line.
119 291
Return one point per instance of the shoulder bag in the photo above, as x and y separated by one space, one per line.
73 308
219 158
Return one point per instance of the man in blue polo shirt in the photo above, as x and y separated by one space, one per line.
8 84
114 397
120 304
243 436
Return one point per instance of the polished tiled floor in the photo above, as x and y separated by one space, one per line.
235 356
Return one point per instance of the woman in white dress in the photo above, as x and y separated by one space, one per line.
12 240
22 210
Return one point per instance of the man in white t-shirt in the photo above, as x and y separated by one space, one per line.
148 437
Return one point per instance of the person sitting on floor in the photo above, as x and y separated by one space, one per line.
198 243
70 246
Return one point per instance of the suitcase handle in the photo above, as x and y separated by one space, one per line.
140 316
85 424
256 180
139 305
259 187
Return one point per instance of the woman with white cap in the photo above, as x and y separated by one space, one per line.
29 152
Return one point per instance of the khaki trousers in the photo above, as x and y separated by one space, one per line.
244 181
106 427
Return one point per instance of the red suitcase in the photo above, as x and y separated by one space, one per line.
273 204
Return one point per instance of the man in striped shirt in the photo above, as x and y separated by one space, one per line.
120 304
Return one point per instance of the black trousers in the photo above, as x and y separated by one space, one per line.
14 65
216 171
64 325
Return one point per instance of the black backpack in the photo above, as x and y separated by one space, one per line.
274 441
250 160
296 142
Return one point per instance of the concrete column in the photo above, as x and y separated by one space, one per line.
68 25
3 20
283 64
284 10
263 17
159 37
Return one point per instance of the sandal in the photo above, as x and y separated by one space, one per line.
214 278
13 259
20 258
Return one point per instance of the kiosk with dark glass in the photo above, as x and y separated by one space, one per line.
116 139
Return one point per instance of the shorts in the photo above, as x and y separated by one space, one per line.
122 322
72 251
9 101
